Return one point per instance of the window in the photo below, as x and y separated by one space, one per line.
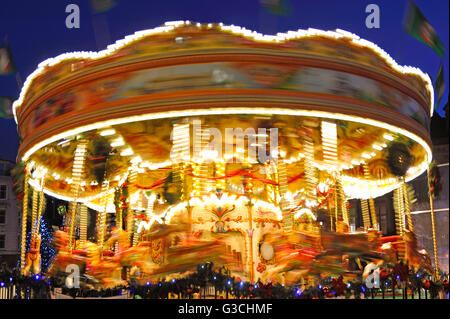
2 216
3 191
2 241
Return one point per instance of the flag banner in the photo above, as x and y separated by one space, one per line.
6 107
439 85
100 6
6 63
276 7
418 27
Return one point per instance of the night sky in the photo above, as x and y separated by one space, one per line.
36 31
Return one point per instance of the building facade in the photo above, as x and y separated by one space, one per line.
9 217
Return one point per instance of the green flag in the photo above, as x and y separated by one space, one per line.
6 63
418 27
100 6
276 7
439 85
6 107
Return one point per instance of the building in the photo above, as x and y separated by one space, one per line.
421 208
9 217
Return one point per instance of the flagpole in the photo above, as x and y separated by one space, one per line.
101 34
19 80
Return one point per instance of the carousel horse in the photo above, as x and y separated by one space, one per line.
188 253
33 257
293 257
63 256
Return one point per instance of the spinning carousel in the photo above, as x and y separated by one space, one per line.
194 143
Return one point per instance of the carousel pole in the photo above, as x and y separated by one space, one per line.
372 210
130 215
24 222
330 156
83 223
102 221
77 172
373 214
41 207
433 225
341 203
398 208
330 211
248 191
407 206
250 237
365 214
336 209
34 209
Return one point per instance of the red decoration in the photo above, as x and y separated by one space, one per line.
261 268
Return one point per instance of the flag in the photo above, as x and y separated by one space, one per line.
276 7
100 6
6 63
418 27
6 107
439 85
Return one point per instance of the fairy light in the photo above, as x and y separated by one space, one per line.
280 37
220 171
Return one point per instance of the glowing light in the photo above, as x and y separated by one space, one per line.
377 147
304 211
108 132
388 137
127 152
117 142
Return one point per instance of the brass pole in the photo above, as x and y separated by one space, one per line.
24 222
365 214
407 207
331 214
250 235
83 223
41 207
433 225
77 173
34 209
101 232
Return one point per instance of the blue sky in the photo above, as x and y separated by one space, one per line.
36 30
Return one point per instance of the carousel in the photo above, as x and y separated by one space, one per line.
193 143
